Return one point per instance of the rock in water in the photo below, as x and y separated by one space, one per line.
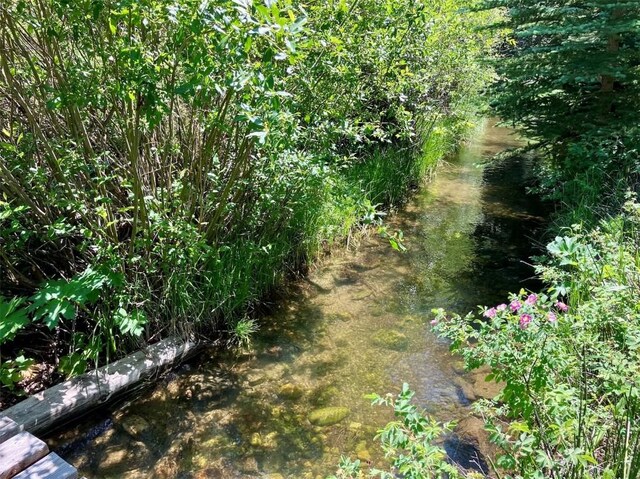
290 391
328 416
391 339
135 426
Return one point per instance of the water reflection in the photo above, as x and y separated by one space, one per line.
358 324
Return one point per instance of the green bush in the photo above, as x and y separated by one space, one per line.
165 165
409 443
570 406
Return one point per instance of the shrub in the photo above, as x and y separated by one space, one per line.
165 165
570 403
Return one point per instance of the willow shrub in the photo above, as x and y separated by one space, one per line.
164 164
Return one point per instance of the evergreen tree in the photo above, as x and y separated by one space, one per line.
569 77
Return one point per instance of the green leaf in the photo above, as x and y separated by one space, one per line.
72 365
130 323
13 317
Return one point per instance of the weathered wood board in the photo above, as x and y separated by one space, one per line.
49 467
65 401
19 452
8 428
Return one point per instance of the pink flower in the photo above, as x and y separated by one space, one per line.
434 322
562 307
490 313
501 307
515 305
525 319
532 299
552 317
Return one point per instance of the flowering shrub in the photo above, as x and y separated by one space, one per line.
515 341
570 405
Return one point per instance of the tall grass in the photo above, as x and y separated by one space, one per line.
164 167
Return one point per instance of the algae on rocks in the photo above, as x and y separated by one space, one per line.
328 416
391 339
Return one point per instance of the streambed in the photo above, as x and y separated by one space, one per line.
358 324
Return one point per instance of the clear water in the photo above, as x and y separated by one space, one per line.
358 324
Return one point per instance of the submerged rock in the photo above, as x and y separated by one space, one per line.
256 439
269 441
255 378
120 458
466 454
391 339
344 316
464 391
482 388
290 391
362 452
328 416
250 465
324 395
470 445
363 294
113 459
133 425
176 458
355 427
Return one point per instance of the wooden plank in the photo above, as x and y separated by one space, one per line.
19 452
66 400
8 428
49 467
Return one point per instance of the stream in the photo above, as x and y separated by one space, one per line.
359 323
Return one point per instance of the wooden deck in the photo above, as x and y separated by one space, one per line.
24 456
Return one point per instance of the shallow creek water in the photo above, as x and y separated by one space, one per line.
358 324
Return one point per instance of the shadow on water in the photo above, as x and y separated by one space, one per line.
358 324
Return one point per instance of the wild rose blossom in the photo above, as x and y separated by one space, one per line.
552 317
434 322
515 305
532 299
562 307
525 319
501 307
490 313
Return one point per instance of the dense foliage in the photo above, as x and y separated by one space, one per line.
571 398
164 164
569 76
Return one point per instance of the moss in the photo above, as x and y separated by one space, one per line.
391 339
328 416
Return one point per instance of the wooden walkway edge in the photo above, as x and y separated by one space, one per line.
27 456
24 456
71 398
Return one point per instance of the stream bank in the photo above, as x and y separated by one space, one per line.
358 324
